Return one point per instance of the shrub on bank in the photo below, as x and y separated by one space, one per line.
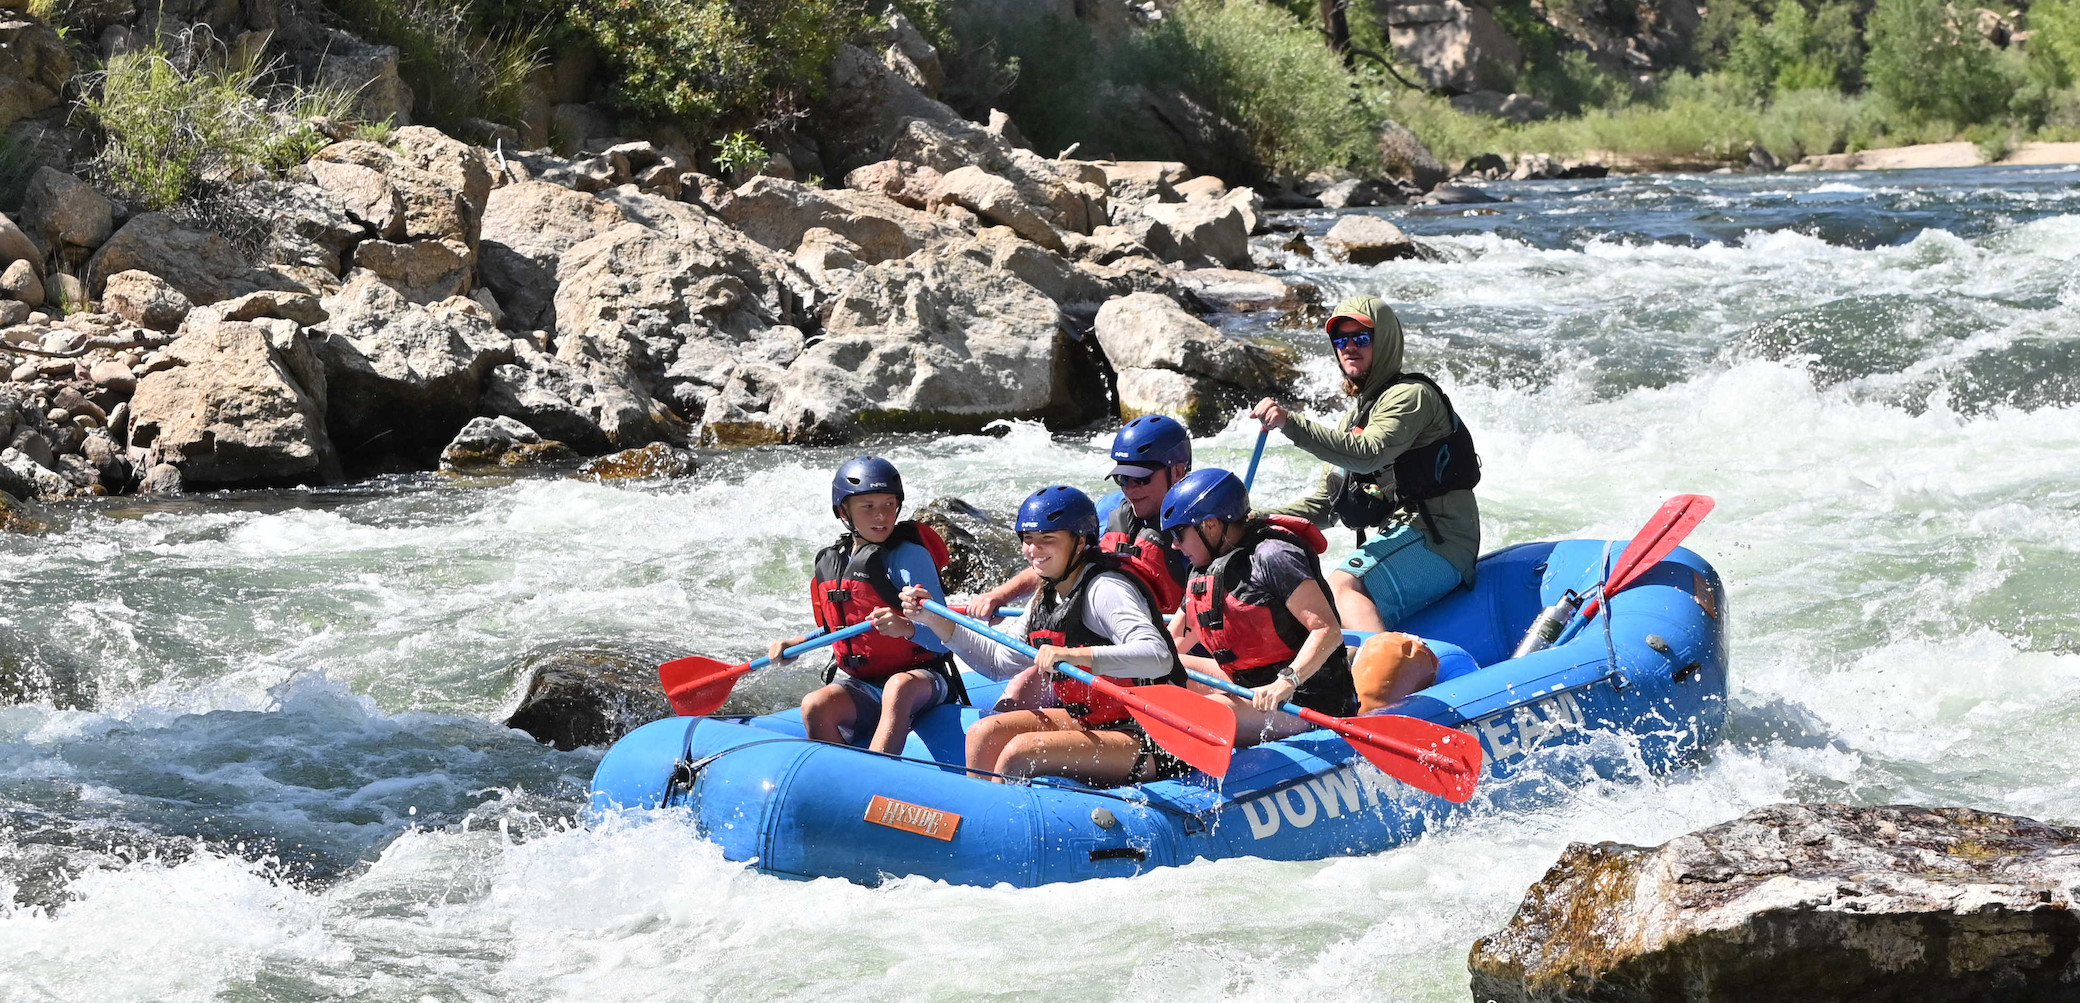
167 133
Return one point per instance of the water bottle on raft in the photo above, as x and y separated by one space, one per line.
1546 629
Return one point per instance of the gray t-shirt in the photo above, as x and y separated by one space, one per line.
1112 608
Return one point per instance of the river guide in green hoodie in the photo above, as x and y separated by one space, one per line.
1400 438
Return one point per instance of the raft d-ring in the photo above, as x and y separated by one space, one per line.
1658 643
1104 818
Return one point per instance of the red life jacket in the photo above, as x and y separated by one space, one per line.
1147 553
1058 620
851 583
1241 628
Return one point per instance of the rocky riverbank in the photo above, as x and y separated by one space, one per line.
402 288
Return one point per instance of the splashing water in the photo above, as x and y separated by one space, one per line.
258 758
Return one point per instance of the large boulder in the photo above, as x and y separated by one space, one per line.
777 212
581 403
1638 35
1198 233
1070 194
997 201
1405 156
492 443
572 695
983 550
1457 45
1367 240
403 377
864 105
1802 903
70 216
1170 362
527 227
662 308
310 235
34 65
241 403
203 266
441 195
145 300
935 341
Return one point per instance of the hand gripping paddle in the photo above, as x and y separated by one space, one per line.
1429 757
1192 728
698 686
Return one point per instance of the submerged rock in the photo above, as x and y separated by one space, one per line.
984 549
1803 902
500 442
657 460
571 695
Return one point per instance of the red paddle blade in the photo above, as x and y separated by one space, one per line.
1192 728
699 686
1660 536
1428 757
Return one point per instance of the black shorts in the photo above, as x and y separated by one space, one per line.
1151 763
1329 690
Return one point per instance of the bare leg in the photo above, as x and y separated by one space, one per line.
826 710
1025 691
1353 605
903 697
986 740
1099 758
1255 727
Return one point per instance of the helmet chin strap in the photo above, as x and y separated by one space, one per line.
1077 559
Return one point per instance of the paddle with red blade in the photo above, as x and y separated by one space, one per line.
1192 728
699 686
1656 540
1429 757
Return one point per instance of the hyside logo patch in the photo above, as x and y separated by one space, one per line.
912 817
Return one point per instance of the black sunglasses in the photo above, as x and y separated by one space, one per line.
1131 481
1361 340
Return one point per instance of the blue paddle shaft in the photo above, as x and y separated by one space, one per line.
1250 479
814 639
1065 668
1352 638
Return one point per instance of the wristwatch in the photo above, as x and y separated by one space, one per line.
1289 674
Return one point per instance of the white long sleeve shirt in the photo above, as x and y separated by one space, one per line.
1112 609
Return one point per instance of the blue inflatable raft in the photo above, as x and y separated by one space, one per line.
1642 689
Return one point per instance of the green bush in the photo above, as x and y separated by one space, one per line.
1258 68
459 58
1926 59
167 134
703 61
2054 40
1796 50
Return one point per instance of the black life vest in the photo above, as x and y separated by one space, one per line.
1416 476
1148 554
851 583
1058 620
1252 634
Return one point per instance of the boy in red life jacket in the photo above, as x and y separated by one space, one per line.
1257 603
1089 613
1149 454
898 672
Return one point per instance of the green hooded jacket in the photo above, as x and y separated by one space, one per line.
1402 417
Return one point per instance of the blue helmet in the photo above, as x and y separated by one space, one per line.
865 475
1150 443
1211 493
1058 506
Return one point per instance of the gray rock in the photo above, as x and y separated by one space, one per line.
1457 195
369 72
1231 289
146 300
243 404
573 695
442 197
16 246
527 227
581 404
1365 240
1457 46
68 213
21 284
368 197
500 442
1357 193
776 213
303 308
1198 234
34 65
203 266
310 235
935 341
984 551
1405 156
423 271
1802 902
403 377
904 182
1146 335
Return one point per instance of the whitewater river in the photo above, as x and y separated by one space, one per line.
249 751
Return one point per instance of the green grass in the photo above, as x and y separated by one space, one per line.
458 66
167 134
